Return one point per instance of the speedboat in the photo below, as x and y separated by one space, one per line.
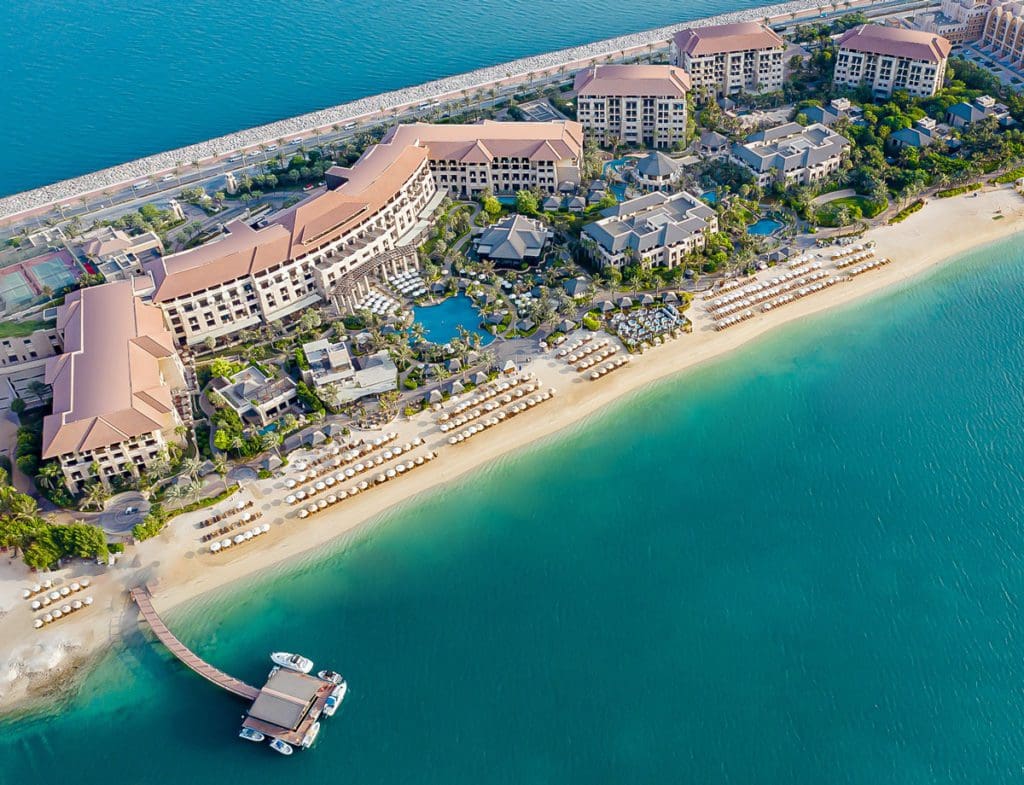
310 737
281 746
331 676
295 662
250 734
335 698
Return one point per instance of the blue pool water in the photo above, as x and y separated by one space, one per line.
441 322
508 201
711 197
765 226
619 190
615 166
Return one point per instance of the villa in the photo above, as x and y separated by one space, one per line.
119 390
117 254
335 377
498 156
724 61
636 104
256 397
657 172
653 230
966 113
836 110
921 135
513 240
792 153
890 58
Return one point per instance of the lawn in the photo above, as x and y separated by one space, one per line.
859 207
22 329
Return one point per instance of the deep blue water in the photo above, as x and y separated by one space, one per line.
802 564
441 322
93 83
764 226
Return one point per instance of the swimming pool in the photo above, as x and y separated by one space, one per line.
765 226
441 322
615 165
618 190
711 197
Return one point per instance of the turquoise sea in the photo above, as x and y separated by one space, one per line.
93 83
801 564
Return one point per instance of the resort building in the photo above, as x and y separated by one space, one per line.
983 107
498 156
657 172
256 397
792 153
119 391
1003 32
724 61
117 254
712 144
368 222
836 110
337 379
959 21
23 361
891 58
655 230
642 105
512 241
922 134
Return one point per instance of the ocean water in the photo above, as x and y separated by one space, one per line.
93 83
801 564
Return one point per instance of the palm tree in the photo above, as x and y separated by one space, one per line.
191 467
220 465
50 475
95 496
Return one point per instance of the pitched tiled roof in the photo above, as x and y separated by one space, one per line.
896 42
483 142
107 385
738 37
626 80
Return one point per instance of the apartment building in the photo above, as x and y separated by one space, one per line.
792 154
726 60
1003 32
368 221
119 390
503 157
960 21
890 58
656 230
642 105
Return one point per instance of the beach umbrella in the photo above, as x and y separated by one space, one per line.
363 485
65 609
36 605
47 618
265 528
76 586
87 600
25 594
38 623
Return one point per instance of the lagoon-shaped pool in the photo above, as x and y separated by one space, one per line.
441 322
765 226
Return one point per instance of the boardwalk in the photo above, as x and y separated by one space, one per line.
144 600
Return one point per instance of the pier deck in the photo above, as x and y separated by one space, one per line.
144 600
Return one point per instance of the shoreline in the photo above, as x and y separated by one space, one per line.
23 204
178 570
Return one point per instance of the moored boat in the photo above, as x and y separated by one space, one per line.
335 698
310 737
281 746
295 662
331 676
250 734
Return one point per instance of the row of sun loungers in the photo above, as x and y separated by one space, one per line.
243 521
516 408
608 367
490 406
224 515
55 595
340 495
62 612
767 292
230 542
863 268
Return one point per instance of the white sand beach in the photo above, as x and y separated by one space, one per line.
178 567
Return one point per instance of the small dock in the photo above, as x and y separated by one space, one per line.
191 660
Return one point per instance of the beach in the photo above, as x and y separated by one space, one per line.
177 568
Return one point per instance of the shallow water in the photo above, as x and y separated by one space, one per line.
801 564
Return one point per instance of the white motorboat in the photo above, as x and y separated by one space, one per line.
251 735
331 676
295 662
310 737
281 746
335 698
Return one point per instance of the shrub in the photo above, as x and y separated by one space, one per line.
591 322
907 211
960 189
151 524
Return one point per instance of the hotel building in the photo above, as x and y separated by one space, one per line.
960 21
119 390
369 221
642 105
502 157
792 153
889 58
726 60
655 230
1003 32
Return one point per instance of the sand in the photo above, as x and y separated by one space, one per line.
178 568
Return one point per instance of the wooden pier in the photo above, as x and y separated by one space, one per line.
144 600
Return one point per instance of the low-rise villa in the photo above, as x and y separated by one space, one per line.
256 397
983 107
513 240
335 377
792 153
653 230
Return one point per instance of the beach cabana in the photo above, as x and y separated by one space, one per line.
479 378
625 302
606 306
435 397
508 367
457 387
647 300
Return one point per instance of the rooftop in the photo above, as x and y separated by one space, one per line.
716 39
896 42
627 80
649 222
790 146
483 142
514 238
108 385
286 698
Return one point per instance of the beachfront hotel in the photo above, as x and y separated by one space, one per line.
960 21
890 58
642 105
1002 34
726 60
368 222
792 153
119 390
655 230
498 156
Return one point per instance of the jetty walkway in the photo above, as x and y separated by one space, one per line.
144 600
